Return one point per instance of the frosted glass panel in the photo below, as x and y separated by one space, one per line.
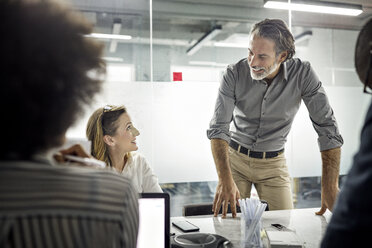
303 156
182 150
331 54
173 117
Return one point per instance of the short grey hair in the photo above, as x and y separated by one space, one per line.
277 31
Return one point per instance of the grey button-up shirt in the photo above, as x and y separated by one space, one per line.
262 115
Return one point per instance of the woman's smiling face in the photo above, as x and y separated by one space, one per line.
126 133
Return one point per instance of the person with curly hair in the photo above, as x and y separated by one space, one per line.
113 140
49 72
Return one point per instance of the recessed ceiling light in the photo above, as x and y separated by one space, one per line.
317 7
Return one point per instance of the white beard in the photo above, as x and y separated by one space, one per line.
265 73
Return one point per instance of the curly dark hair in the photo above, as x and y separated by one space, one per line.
277 31
49 71
362 56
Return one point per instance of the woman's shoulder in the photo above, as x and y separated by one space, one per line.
137 158
137 155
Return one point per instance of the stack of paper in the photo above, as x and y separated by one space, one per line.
283 239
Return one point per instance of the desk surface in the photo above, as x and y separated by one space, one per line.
308 226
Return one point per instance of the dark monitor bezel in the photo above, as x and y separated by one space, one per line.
164 196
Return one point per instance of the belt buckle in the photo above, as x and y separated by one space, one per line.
244 150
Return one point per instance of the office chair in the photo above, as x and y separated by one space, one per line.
206 209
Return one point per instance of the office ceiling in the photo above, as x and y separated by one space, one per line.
182 21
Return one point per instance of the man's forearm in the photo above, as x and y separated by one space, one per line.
331 168
220 151
226 190
330 173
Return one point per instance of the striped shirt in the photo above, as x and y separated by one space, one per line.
58 206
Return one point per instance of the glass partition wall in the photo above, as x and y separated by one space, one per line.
165 67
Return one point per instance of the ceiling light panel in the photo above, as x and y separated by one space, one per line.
316 7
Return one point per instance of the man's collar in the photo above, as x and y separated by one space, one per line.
284 71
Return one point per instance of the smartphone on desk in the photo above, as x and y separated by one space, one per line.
185 226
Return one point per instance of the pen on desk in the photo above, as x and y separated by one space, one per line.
86 161
278 226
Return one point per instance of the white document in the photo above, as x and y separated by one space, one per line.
283 239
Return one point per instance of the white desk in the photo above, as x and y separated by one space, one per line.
308 226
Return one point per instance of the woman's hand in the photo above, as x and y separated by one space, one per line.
78 155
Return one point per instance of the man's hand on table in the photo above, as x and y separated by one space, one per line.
226 193
330 174
328 200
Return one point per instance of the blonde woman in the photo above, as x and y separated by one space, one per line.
113 138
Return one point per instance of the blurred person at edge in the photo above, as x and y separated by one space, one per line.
351 221
49 71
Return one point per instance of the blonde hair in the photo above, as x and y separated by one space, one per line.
103 122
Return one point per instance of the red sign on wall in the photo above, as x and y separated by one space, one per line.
177 76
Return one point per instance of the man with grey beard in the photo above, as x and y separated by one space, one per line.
261 95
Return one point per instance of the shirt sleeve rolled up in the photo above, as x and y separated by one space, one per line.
320 111
223 113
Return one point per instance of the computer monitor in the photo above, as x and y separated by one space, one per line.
154 224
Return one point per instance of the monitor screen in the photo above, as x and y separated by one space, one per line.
153 220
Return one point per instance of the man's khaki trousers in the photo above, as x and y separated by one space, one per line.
269 176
